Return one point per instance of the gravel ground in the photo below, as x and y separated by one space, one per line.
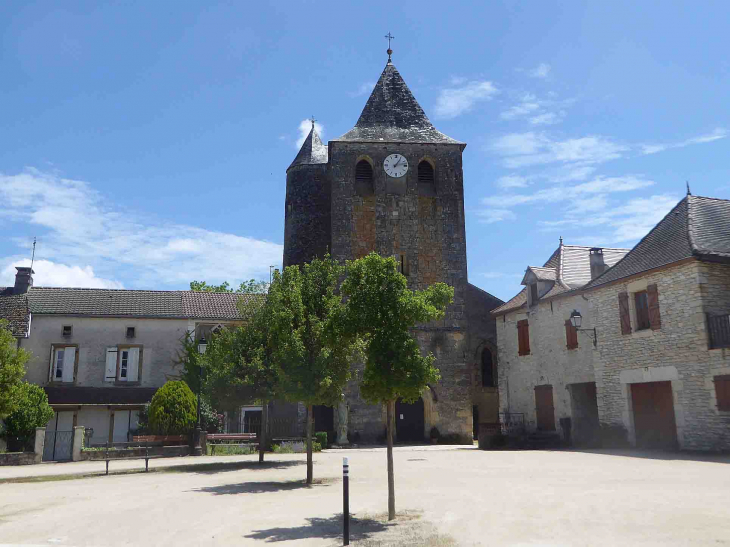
444 496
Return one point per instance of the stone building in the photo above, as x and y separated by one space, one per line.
394 185
661 316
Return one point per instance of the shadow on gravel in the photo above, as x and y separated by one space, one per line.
321 528
261 487
218 467
656 454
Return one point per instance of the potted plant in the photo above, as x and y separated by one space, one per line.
435 434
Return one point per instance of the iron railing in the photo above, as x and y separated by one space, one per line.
512 423
718 327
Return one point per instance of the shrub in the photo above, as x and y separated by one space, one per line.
321 438
210 420
172 410
316 446
33 411
284 448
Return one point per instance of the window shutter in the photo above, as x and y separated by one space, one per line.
655 318
133 365
571 335
623 311
69 360
523 337
110 373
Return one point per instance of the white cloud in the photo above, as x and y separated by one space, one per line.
77 228
512 181
364 89
540 71
527 105
488 216
719 133
530 148
305 126
462 96
548 118
53 274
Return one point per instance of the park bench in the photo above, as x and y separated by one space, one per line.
135 444
232 439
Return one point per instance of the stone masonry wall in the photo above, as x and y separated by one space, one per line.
307 214
678 352
549 361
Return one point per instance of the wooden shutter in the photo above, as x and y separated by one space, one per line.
623 311
110 373
655 318
133 365
722 391
523 337
571 335
69 361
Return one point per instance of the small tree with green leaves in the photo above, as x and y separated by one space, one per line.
12 370
32 411
173 409
382 310
246 287
310 345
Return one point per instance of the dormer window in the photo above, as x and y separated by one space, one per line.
533 293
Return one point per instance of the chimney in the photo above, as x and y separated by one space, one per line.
23 279
598 266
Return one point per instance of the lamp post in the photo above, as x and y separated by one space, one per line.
576 319
202 345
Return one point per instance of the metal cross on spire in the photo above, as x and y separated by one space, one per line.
313 120
389 36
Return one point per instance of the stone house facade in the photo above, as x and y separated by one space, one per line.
393 184
661 364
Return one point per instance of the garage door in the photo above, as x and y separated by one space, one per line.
654 415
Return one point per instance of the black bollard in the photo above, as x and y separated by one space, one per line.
346 501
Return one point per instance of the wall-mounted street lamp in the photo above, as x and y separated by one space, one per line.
576 319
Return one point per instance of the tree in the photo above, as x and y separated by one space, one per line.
382 310
173 409
32 411
246 287
240 363
311 349
12 370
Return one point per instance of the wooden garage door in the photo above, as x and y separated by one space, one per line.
654 415
544 407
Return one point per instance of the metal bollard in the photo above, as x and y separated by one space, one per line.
346 500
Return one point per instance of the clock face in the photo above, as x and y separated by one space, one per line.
395 165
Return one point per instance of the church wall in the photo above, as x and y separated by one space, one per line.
307 214
428 230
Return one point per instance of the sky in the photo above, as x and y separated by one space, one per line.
145 144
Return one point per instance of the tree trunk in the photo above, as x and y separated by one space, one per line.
263 437
390 415
310 469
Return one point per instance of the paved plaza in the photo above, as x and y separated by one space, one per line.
444 496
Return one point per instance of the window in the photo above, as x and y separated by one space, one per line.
571 335
128 370
488 376
641 301
722 391
533 294
67 330
426 179
523 337
63 364
403 264
131 332
364 179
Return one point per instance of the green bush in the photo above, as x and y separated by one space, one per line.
172 410
225 450
321 438
210 420
33 411
282 449
316 447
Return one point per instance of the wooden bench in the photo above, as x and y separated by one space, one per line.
146 456
230 439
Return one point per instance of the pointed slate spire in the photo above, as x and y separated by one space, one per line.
312 152
393 114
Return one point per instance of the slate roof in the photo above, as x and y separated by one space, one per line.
76 395
392 114
134 303
14 308
312 152
570 268
696 227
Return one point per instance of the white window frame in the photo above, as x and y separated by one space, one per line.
68 375
126 356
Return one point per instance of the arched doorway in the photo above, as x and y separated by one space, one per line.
409 423
324 418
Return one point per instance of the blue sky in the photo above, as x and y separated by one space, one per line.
145 143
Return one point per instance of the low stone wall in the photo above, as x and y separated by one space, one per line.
167 451
17 458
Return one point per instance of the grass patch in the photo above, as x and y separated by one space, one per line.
230 450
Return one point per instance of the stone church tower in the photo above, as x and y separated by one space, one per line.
393 184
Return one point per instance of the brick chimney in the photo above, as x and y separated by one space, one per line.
23 279
598 266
